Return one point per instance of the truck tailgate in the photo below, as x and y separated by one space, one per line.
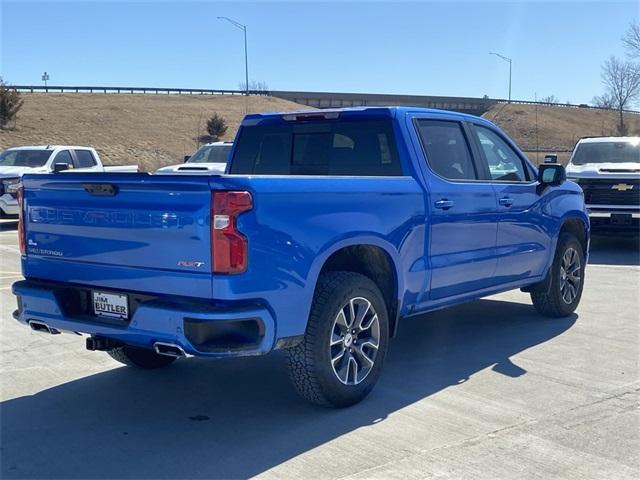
97 227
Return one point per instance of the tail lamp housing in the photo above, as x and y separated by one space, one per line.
21 231
229 247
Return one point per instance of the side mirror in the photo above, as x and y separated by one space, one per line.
60 167
550 159
550 175
186 158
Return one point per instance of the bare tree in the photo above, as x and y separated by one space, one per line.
622 81
198 137
603 101
255 86
631 40
550 99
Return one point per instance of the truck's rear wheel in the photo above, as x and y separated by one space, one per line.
340 359
560 293
140 357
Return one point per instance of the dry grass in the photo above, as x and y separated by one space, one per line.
148 130
157 130
559 128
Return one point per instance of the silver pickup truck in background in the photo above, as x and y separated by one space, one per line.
15 162
608 170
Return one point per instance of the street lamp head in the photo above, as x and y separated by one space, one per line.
234 23
506 59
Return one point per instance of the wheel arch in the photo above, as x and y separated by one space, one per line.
578 227
375 260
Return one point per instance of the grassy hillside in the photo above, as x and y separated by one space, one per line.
559 128
158 130
149 130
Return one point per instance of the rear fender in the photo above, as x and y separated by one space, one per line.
372 240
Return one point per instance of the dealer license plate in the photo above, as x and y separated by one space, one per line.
110 305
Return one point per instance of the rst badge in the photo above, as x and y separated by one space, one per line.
190 263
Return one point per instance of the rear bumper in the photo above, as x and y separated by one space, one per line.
199 328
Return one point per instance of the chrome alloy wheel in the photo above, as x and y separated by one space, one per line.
355 338
570 275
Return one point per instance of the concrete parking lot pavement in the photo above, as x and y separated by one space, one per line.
485 390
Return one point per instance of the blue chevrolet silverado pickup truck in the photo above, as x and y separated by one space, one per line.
327 228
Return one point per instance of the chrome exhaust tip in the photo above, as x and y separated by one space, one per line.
42 327
169 349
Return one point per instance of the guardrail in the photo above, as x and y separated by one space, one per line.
318 99
566 105
131 90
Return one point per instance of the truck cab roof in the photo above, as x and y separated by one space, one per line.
50 147
329 113
633 140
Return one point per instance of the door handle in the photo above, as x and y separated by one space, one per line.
506 201
443 204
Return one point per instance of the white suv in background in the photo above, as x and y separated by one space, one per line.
608 170
209 159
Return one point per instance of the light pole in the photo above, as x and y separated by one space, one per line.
506 59
246 61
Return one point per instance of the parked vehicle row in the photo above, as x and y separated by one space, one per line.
328 228
15 162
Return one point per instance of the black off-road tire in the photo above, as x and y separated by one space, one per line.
140 357
547 297
309 362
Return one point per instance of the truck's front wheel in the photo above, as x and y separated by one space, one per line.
140 357
559 294
340 359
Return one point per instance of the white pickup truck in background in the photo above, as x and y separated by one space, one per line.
15 162
608 170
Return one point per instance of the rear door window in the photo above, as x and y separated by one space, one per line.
349 148
84 159
447 149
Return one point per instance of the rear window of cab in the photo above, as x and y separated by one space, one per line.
338 147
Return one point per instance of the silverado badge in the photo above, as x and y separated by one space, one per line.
622 187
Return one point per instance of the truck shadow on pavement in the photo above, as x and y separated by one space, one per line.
238 418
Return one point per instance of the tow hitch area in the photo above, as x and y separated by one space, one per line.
102 344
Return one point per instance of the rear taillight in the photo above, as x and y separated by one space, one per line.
228 245
21 233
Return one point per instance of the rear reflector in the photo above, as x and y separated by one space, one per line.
21 232
228 246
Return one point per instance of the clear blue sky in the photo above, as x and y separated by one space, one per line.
433 48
